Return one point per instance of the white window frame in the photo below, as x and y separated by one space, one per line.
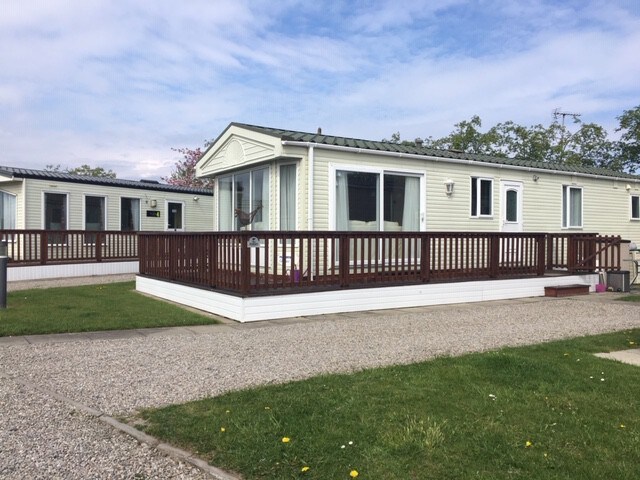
566 207
631 199
295 190
184 215
478 213
15 208
139 212
84 211
44 213
250 171
334 168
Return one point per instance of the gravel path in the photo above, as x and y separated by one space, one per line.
120 376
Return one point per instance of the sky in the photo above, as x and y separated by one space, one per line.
119 84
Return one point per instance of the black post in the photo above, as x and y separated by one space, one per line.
4 261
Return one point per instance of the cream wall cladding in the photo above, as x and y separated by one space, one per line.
198 214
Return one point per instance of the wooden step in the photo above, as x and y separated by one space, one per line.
566 290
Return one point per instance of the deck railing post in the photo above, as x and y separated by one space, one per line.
99 246
571 253
244 265
344 243
425 258
542 265
494 255
44 245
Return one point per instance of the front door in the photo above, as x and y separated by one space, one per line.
511 206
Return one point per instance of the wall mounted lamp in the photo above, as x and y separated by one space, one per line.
536 178
628 187
195 199
153 203
448 187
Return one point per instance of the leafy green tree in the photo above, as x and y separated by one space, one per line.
629 144
82 170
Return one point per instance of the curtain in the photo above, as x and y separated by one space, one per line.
287 197
225 209
7 211
411 211
342 201
575 206
135 213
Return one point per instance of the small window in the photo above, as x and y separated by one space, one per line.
94 213
7 211
129 214
512 206
481 197
635 207
55 216
571 207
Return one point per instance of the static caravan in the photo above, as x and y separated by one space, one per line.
45 200
273 179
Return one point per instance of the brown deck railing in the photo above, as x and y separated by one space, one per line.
42 247
250 263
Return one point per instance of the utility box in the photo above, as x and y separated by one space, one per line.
618 281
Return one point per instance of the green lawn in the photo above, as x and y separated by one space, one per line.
551 411
112 306
631 298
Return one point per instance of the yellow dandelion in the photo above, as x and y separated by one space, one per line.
632 343
353 473
304 469
528 444
622 425
222 429
286 439
267 408
566 354
228 411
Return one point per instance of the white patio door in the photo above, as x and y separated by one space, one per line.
511 206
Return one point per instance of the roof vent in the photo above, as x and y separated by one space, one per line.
155 182
319 131
418 142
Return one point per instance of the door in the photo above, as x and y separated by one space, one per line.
511 206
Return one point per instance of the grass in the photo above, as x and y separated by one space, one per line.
112 306
630 298
551 411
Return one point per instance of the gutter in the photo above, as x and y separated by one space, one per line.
459 161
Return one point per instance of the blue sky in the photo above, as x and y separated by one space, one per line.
117 84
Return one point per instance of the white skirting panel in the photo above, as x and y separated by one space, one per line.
362 299
41 272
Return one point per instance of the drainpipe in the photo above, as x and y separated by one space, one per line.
310 187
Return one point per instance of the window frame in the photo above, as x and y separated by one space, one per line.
15 210
635 198
566 207
44 209
420 174
250 172
477 212
139 213
183 215
104 211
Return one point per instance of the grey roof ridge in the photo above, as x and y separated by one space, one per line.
87 179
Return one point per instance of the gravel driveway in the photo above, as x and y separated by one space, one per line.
41 437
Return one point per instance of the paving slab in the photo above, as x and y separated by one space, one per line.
632 357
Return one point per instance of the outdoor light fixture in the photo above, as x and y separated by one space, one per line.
536 178
153 203
448 186
195 199
628 187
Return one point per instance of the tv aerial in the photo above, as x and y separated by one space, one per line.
559 113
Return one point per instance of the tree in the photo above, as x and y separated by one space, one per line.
629 144
184 172
85 170
588 146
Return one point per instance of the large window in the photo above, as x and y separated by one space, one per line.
635 207
243 201
372 201
287 197
7 211
481 197
175 216
129 214
571 207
